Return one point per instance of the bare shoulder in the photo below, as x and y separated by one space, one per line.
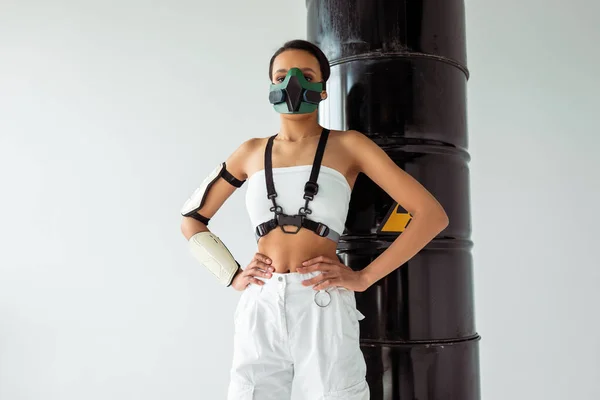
367 157
342 139
352 143
374 162
351 137
239 163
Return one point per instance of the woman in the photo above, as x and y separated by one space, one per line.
297 319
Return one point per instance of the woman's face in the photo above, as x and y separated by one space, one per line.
307 63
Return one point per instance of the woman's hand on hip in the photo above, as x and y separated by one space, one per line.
333 273
259 266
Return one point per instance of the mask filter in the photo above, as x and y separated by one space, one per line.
295 95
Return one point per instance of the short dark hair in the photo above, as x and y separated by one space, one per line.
306 46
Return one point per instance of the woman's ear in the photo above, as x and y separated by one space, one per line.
323 95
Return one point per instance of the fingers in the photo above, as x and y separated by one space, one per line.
318 266
262 258
325 284
252 279
319 259
267 272
260 261
319 278
253 273
313 281
320 282
259 267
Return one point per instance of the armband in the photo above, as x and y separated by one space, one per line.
197 199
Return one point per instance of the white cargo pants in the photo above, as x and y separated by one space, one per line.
283 334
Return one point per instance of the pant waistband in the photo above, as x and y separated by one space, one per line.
291 280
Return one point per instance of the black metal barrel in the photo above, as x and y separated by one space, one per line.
399 76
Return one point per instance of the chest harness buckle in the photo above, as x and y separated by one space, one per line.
293 223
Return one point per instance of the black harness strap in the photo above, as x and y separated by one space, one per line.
317 227
310 190
271 193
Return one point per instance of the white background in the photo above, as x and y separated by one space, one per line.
111 113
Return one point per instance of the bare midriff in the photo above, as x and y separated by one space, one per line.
288 251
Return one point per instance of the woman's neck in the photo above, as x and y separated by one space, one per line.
295 130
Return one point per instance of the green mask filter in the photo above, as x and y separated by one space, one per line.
295 95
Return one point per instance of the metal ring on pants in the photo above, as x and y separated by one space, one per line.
322 298
282 336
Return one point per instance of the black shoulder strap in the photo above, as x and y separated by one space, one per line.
269 168
314 174
311 188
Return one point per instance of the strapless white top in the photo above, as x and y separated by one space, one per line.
329 206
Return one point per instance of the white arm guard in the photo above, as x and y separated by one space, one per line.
208 249
197 199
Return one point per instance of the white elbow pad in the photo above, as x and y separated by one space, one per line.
197 199
208 249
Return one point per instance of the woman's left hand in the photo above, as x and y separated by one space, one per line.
333 273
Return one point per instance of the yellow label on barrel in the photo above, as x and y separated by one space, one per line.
396 220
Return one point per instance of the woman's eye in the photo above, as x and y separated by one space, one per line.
282 78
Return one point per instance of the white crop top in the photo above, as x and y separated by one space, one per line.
329 206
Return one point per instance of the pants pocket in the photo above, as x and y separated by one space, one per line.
358 391
349 300
240 391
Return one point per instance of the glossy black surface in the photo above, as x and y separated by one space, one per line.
399 76
354 29
440 371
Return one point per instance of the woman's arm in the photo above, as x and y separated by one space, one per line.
205 246
221 190
428 216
